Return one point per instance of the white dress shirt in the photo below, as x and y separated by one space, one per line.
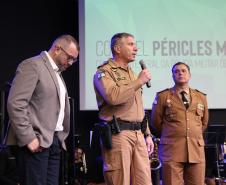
59 126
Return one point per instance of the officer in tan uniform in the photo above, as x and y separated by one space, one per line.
180 121
118 92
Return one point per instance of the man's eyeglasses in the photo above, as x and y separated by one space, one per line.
70 58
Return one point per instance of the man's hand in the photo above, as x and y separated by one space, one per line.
150 145
34 146
144 76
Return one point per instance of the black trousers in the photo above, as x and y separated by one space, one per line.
41 168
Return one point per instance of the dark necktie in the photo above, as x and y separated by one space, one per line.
184 99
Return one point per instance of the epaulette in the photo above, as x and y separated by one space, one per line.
200 92
157 96
163 91
104 63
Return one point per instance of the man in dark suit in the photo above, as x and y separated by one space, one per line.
39 112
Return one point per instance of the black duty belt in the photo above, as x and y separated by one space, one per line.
124 125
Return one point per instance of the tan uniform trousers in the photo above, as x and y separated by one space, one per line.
127 163
178 173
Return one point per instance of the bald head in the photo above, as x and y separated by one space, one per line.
65 41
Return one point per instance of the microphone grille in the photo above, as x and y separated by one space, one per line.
141 62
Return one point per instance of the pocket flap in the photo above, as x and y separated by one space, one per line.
201 142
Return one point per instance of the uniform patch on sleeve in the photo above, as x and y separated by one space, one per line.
100 75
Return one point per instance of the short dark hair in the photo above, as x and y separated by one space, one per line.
116 38
180 63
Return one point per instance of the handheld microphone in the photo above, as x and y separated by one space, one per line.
143 66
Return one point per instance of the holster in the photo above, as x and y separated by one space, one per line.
144 123
115 129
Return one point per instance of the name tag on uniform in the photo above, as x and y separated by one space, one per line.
121 78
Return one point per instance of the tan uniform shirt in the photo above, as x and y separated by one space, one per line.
181 130
118 92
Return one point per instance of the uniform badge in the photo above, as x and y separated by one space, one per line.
200 106
100 75
168 102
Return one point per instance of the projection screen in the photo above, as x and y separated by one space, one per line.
166 31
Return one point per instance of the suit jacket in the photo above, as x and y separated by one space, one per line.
34 104
181 130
